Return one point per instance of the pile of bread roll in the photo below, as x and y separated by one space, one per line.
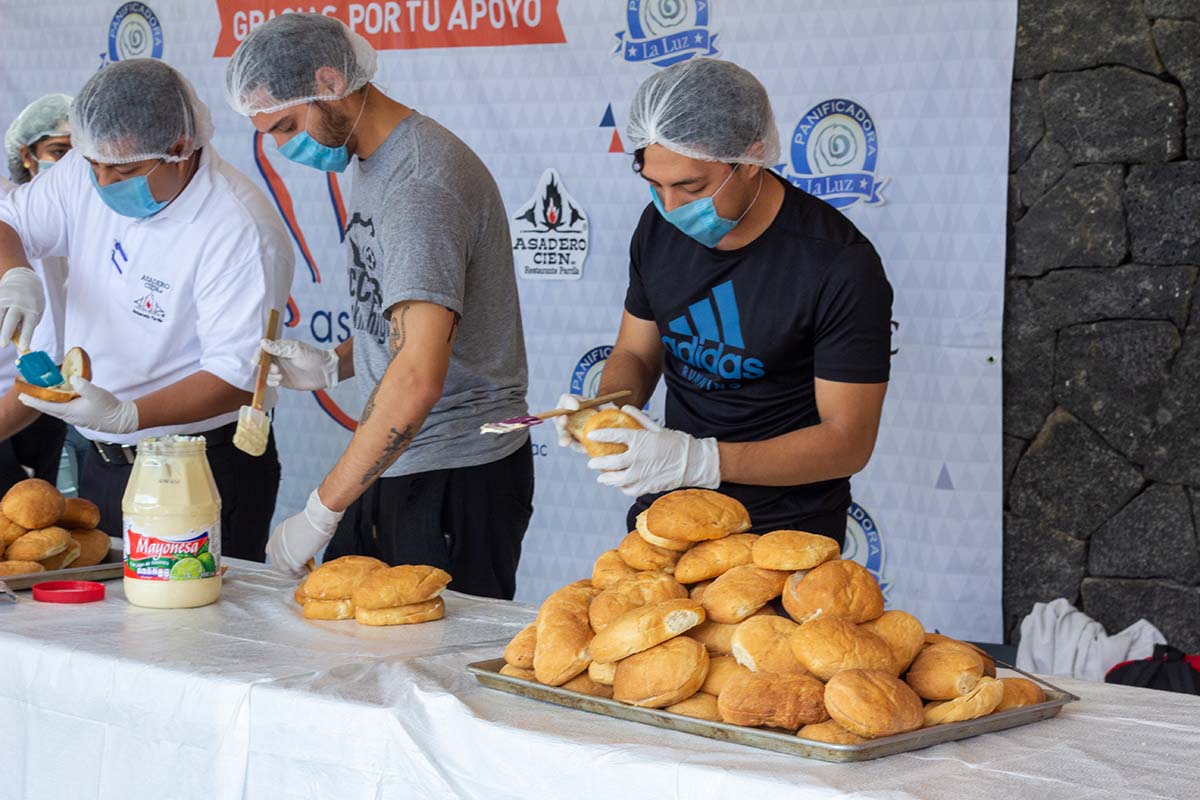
685 615
370 592
40 530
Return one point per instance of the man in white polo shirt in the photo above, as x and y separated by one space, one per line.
175 260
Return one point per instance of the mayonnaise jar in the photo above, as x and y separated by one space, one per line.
172 522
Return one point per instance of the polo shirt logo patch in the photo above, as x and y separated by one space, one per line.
147 306
708 339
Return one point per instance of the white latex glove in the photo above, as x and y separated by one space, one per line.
96 409
301 537
565 439
299 365
657 459
22 301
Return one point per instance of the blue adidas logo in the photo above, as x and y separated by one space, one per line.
714 319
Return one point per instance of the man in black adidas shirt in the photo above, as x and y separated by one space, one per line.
766 311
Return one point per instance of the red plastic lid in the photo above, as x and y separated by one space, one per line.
68 591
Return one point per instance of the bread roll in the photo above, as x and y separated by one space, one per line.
10 568
520 649
708 560
721 669
827 645
696 591
741 591
664 675
873 703
631 593
989 663
298 594
79 514
10 531
674 545
701 705
75 363
64 559
409 614
583 684
776 701
577 421
563 634
645 627
404 585
1020 692
94 547
841 588
602 672
517 672
980 701
945 671
610 568
606 418
717 637
33 504
794 550
645 557
329 609
696 515
764 644
903 632
38 545
336 579
829 732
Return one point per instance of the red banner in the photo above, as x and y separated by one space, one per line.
410 24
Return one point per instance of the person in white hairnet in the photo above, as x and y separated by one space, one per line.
175 260
38 137
437 348
765 310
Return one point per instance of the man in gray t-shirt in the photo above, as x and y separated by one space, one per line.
437 348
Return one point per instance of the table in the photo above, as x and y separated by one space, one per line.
246 699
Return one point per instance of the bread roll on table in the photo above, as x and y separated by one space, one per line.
664 675
563 634
873 703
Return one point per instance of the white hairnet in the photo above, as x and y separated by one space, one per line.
275 66
707 109
137 110
46 116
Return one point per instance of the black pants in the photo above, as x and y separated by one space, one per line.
468 521
38 447
247 486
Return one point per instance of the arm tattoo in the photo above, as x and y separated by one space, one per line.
397 442
370 406
453 326
399 334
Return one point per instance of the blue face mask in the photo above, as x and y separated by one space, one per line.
130 197
44 165
699 219
304 149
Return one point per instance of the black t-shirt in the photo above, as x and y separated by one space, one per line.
746 331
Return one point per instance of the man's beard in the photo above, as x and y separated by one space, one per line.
333 128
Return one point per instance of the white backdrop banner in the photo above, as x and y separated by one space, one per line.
894 111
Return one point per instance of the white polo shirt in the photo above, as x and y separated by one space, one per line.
155 300
48 335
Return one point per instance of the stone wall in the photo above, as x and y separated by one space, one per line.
1101 334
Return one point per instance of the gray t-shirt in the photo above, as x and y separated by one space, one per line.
426 223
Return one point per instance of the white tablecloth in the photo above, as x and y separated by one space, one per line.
246 699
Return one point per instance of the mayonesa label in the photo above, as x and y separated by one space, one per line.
150 558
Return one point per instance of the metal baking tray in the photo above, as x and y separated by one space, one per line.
488 673
111 567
